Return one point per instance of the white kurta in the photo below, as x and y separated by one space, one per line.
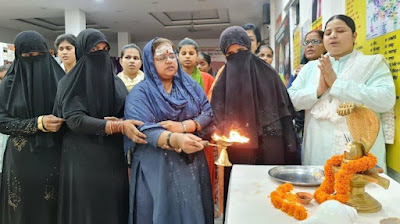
377 93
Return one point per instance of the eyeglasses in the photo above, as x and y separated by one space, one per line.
164 57
313 42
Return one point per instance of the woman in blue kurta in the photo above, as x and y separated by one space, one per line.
170 181
343 75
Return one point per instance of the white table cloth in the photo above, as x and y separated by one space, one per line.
249 202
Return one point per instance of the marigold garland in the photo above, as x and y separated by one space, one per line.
283 199
343 177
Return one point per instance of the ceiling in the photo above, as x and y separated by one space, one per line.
143 19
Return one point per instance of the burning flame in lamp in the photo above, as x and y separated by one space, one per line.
223 142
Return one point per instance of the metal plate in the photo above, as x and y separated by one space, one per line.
298 175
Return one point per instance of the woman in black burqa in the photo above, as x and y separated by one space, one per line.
250 97
93 175
31 164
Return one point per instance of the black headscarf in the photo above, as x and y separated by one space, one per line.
234 35
91 87
249 95
29 88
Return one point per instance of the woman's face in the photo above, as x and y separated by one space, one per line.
234 48
253 39
338 38
202 64
102 46
188 56
66 52
165 61
131 61
314 46
266 54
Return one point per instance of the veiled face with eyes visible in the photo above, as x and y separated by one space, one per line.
235 48
102 46
31 54
165 61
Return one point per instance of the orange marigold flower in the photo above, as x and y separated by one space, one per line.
341 181
283 199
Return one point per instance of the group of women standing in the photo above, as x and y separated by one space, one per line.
73 133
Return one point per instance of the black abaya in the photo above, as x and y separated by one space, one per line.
31 162
93 174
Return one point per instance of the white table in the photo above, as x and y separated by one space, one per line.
249 202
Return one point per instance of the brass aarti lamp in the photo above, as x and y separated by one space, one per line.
223 161
223 142
364 127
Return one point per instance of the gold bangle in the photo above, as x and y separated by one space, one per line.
40 124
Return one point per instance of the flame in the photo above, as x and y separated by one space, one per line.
234 136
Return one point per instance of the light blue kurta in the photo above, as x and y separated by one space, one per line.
377 93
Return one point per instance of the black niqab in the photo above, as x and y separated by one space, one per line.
29 88
250 96
234 35
91 86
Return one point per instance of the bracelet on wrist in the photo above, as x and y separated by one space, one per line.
169 140
196 125
184 126
116 127
111 127
40 124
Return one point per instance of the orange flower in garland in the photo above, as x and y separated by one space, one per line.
343 177
283 199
